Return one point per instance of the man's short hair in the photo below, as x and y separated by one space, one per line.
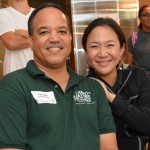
42 6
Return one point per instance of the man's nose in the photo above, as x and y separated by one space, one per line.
54 36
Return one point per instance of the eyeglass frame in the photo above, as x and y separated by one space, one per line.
146 15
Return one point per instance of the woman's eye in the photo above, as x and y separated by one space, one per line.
94 46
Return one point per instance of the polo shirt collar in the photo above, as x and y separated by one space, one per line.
34 71
74 78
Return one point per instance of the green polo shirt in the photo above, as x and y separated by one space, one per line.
37 115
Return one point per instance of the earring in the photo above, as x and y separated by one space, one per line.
87 69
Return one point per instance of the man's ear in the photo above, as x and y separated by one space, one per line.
29 39
70 36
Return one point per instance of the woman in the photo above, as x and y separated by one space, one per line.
127 87
139 53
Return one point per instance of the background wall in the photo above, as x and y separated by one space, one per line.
143 2
34 3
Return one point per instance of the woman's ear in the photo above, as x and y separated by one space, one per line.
122 50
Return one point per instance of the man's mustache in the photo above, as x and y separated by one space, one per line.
56 44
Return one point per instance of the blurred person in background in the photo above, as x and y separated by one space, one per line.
139 42
14 34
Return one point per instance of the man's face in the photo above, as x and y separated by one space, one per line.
51 39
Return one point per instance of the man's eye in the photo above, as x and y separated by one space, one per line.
63 31
43 32
110 45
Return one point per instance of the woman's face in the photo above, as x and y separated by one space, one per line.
103 50
145 18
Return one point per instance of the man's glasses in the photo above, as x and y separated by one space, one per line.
146 16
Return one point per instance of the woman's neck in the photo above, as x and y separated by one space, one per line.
110 78
145 29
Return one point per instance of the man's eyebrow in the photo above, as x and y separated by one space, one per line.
46 27
63 27
42 27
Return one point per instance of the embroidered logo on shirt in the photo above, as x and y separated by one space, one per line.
44 97
81 97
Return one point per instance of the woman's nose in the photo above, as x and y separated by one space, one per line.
102 52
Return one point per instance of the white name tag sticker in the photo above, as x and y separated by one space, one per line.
44 97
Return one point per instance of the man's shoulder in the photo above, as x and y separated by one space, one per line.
2 11
5 10
6 14
14 76
84 81
82 78
91 84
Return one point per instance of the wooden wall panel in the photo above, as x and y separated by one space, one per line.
143 2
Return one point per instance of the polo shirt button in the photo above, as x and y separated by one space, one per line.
56 86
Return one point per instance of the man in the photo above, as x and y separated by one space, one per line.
13 34
46 106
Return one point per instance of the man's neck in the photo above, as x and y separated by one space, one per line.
59 75
22 6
